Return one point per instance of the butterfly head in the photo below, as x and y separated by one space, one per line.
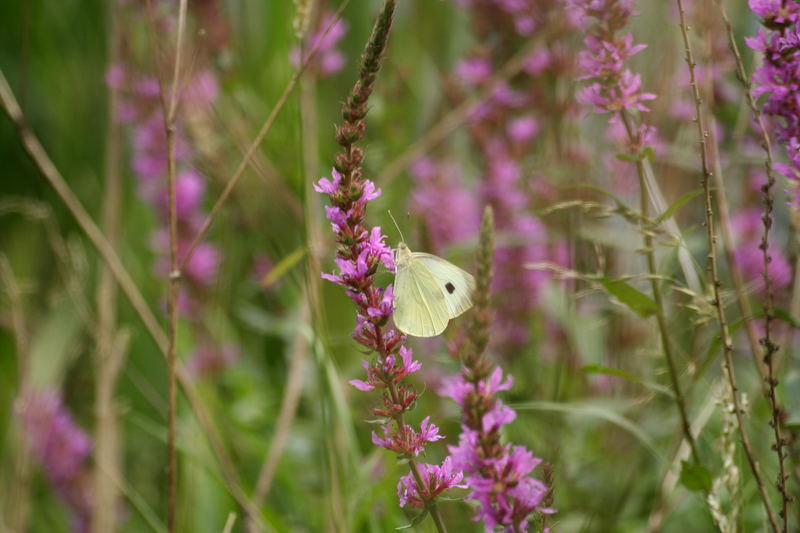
403 256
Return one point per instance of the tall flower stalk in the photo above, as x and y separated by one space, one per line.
361 251
497 474
616 90
779 78
725 336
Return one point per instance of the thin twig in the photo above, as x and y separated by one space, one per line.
169 112
229 523
251 150
727 343
174 278
87 225
729 246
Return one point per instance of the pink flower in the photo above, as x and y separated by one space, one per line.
474 71
439 184
115 76
203 265
523 129
436 479
406 441
62 449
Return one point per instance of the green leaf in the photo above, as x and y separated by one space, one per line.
677 204
695 477
624 374
283 266
602 191
646 152
417 519
637 301
785 316
608 371
593 410
629 158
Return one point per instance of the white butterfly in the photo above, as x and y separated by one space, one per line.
428 292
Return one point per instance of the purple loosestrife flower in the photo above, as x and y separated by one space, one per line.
437 479
503 128
779 76
62 450
361 251
208 360
437 185
406 441
497 474
614 87
149 163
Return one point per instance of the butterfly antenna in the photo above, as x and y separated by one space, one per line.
396 226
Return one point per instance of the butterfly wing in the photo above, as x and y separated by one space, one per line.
420 308
456 284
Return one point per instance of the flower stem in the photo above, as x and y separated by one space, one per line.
770 347
727 343
399 418
680 399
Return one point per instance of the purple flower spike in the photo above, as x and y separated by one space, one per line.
62 449
361 252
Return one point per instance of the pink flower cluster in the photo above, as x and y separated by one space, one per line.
779 76
62 449
436 480
438 183
362 251
614 86
141 109
503 128
498 475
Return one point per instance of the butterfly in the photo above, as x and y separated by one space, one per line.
428 292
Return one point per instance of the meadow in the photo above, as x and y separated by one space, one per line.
206 325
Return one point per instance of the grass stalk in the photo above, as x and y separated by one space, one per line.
18 503
169 112
725 337
110 351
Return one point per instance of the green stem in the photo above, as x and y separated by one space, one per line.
680 399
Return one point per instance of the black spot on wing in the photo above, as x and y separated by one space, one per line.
450 288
